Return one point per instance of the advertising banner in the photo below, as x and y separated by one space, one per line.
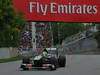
59 10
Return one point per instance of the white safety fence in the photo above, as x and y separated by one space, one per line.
79 42
7 52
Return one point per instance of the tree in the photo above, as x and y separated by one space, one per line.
63 30
10 24
97 34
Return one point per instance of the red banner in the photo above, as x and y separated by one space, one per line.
59 10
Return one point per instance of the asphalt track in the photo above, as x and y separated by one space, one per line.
76 65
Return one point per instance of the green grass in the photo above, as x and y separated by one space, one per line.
11 59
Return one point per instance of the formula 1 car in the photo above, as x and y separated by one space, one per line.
52 60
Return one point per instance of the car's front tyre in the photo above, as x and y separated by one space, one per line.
54 63
62 61
52 67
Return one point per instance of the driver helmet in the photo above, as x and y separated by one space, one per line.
45 52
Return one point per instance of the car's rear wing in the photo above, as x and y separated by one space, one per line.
51 48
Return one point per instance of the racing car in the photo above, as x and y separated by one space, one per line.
52 60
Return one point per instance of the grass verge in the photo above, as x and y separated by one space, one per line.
11 59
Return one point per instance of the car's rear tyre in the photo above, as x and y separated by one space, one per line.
26 61
62 61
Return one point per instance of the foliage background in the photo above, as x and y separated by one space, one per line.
10 24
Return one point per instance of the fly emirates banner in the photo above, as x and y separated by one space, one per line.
59 10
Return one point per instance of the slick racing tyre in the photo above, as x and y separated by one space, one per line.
52 67
26 61
25 69
54 63
62 61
